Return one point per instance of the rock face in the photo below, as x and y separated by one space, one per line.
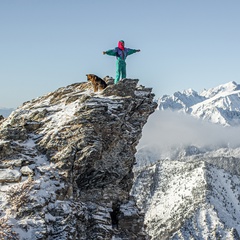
67 158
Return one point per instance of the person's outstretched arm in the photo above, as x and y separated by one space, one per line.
111 52
131 51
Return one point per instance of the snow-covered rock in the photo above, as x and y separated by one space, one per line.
75 149
26 170
8 175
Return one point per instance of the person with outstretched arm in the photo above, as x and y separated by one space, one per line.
121 54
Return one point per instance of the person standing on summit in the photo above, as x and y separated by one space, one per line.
121 54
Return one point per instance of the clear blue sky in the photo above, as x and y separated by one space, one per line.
47 44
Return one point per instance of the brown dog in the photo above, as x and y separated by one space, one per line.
97 82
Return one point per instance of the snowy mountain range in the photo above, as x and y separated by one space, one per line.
218 105
187 177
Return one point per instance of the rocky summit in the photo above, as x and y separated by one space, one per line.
66 162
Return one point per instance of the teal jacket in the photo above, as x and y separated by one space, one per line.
121 55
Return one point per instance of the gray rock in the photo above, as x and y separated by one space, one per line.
26 171
8 175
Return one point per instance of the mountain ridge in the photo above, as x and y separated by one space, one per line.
218 105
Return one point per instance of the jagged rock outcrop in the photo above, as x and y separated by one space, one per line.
67 158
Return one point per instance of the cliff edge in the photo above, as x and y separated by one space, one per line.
66 163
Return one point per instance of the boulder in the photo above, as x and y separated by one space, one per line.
8 175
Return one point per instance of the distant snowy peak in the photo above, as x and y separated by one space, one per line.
219 105
224 88
180 100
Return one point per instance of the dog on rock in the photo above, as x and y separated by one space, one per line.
97 82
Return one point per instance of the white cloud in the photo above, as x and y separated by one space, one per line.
166 130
